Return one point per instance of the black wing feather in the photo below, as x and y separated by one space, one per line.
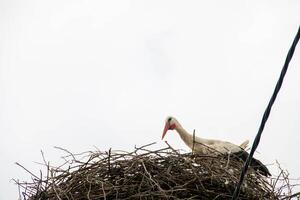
255 164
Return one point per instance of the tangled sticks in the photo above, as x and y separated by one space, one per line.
147 174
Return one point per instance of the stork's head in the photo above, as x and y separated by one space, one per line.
171 124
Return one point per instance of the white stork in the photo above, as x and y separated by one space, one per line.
216 147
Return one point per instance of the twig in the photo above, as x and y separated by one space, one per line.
26 170
193 149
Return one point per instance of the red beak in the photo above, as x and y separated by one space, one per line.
167 126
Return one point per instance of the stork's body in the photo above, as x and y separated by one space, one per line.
206 146
212 147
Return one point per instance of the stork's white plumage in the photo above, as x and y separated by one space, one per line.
201 145
215 147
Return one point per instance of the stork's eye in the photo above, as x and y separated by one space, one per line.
169 119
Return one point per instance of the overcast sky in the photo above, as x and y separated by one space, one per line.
85 74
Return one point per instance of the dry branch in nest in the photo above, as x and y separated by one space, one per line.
149 174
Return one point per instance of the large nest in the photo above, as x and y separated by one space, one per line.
148 174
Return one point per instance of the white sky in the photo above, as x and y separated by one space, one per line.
79 74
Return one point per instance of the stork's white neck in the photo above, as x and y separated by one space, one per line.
186 137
